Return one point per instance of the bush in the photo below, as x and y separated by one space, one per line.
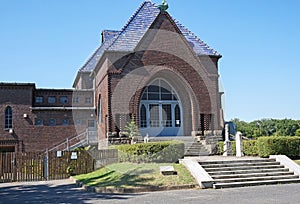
166 151
274 145
221 147
266 146
250 148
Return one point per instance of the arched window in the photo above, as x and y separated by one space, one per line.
8 118
100 110
143 117
159 90
177 116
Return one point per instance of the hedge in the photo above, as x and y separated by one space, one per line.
274 145
166 151
266 146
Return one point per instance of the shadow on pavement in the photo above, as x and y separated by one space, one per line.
51 193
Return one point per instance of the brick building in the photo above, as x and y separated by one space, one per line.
35 119
157 71
153 70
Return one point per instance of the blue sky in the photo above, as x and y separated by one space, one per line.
47 41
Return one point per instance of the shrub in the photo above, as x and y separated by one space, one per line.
288 146
221 147
166 151
250 148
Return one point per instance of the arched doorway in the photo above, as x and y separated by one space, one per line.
160 110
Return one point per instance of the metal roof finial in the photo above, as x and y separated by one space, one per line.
164 6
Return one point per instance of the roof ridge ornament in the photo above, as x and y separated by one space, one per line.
164 6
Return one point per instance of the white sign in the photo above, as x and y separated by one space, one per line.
74 155
58 153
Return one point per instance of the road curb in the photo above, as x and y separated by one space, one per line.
131 190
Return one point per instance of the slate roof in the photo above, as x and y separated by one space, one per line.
130 35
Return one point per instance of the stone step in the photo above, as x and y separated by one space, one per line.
244 168
256 178
248 171
252 175
255 183
209 166
197 154
236 161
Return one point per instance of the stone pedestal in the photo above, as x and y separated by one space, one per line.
239 144
227 143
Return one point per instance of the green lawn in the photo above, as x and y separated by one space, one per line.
124 175
297 161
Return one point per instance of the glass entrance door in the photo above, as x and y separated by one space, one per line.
161 119
159 112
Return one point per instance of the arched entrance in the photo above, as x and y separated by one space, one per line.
160 110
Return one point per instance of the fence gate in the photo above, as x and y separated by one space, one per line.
32 166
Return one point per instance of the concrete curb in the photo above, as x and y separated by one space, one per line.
202 177
130 190
287 162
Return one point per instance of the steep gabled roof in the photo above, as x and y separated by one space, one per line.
134 30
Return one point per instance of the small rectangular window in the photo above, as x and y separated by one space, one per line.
88 100
65 122
38 122
77 122
51 99
52 122
91 123
76 100
63 99
39 99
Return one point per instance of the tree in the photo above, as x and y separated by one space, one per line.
132 129
297 133
268 127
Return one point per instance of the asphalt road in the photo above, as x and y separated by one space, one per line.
64 191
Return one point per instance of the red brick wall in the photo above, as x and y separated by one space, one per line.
31 137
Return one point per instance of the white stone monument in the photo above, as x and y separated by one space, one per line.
239 144
227 143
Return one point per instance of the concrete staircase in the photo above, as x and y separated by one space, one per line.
196 149
240 173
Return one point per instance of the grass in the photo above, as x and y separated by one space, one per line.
297 161
130 175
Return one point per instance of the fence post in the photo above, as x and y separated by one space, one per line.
87 136
14 167
46 165
67 144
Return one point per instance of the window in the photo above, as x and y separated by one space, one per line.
143 115
100 110
38 122
63 99
76 100
51 99
65 122
154 115
52 122
91 123
166 115
88 100
159 90
177 116
39 99
8 118
77 122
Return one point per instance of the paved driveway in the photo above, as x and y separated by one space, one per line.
64 191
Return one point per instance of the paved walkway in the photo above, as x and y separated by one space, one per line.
64 191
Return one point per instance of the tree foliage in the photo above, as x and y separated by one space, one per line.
268 127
